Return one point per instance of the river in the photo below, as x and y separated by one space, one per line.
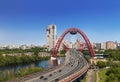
44 64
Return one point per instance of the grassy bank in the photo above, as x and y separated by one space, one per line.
102 75
10 75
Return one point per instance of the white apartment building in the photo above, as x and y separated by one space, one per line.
51 36
103 45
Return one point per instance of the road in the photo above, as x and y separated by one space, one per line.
91 76
74 62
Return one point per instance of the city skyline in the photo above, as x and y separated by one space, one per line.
25 21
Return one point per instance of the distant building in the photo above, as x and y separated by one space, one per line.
110 45
61 45
70 45
43 54
11 47
51 36
75 45
23 47
118 46
32 46
29 54
85 46
13 54
97 46
103 45
19 54
1 46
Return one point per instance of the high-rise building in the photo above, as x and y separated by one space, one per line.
51 36
97 46
103 45
118 46
110 45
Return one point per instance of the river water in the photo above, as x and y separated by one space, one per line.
44 64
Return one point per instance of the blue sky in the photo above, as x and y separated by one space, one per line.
25 21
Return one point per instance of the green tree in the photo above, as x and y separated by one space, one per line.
101 64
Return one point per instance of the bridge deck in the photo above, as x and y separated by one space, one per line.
75 65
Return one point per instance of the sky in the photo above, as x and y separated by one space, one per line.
25 21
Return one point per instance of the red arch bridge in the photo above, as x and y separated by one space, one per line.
75 66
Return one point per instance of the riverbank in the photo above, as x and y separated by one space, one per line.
14 60
5 76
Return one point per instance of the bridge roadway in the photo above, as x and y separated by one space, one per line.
73 63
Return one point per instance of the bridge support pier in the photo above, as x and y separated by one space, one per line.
53 58
54 61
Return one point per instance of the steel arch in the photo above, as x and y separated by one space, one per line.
55 50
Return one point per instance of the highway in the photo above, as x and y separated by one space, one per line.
74 62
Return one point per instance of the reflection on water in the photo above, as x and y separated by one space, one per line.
44 64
